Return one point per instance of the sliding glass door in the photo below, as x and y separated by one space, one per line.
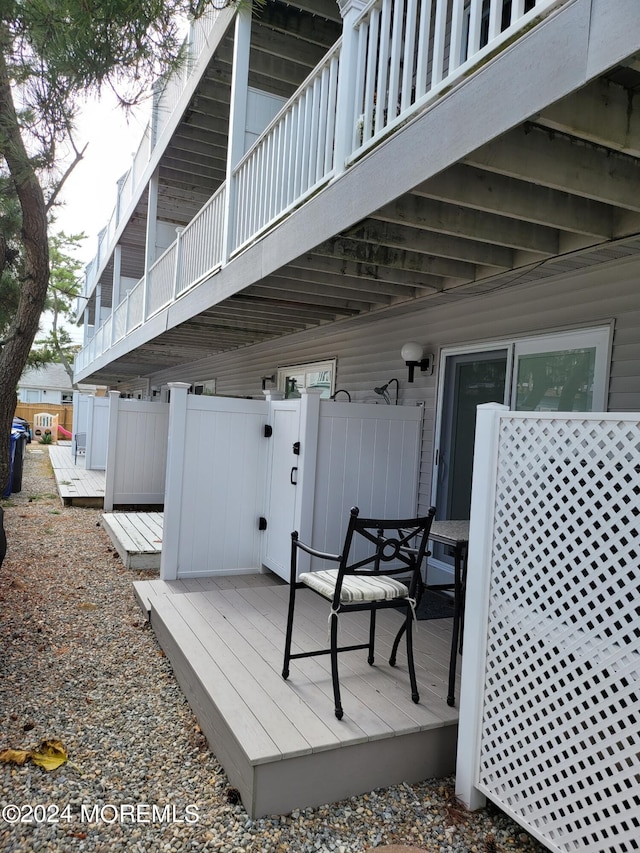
559 372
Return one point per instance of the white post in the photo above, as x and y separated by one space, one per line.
115 292
237 122
174 480
485 463
345 111
88 452
98 308
151 237
178 259
112 449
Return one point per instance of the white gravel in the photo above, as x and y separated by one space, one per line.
80 664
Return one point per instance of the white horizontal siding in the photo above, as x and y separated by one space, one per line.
368 348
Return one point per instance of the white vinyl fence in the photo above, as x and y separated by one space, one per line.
242 474
137 452
550 698
97 432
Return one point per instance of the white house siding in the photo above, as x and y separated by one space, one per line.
368 349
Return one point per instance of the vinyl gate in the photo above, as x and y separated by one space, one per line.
550 699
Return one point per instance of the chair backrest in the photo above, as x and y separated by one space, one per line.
384 546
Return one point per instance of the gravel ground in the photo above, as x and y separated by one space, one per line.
80 664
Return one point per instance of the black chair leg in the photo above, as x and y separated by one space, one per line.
412 671
287 642
372 638
396 643
334 665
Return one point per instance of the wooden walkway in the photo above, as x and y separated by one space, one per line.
279 741
137 537
76 486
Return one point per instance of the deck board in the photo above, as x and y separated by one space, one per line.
279 741
76 485
136 536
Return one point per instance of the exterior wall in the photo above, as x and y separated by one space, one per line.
368 349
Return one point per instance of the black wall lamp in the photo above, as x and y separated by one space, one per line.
413 355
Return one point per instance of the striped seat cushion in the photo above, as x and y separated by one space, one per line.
354 587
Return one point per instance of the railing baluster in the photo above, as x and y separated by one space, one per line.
424 33
394 61
383 60
408 59
457 49
439 43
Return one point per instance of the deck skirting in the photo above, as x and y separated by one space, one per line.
279 741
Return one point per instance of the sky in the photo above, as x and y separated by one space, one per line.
89 194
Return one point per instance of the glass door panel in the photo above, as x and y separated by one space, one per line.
470 379
555 381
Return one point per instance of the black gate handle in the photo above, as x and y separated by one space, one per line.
293 482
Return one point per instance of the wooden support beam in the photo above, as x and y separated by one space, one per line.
518 199
602 113
556 161
478 225
432 243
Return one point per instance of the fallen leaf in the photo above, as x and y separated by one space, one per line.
49 755
15 756
87 605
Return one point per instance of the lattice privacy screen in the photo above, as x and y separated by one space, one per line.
560 744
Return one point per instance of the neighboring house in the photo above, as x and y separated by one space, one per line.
49 384
315 193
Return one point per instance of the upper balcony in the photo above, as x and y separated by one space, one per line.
395 61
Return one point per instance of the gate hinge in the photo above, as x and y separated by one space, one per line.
262 523
296 448
268 430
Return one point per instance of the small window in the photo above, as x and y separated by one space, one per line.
206 389
319 374
67 399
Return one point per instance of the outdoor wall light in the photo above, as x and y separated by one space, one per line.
413 355
264 379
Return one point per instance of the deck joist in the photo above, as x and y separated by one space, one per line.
279 741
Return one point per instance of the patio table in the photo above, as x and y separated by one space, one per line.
455 534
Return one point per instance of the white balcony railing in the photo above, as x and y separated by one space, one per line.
403 54
292 157
201 244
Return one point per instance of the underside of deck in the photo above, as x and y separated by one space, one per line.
279 741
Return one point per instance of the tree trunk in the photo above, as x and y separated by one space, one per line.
33 291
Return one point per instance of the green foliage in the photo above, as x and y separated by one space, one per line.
64 286
46 438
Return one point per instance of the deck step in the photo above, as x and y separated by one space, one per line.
136 536
279 741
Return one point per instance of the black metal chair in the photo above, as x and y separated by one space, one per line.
375 555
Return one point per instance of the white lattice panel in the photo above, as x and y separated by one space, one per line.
560 743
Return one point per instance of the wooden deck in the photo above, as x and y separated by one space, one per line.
76 486
279 741
137 537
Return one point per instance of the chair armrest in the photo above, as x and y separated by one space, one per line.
309 550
